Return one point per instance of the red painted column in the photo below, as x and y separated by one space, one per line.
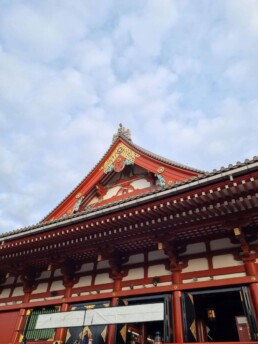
112 327
143 334
61 332
253 287
250 266
176 301
21 321
26 297
19 326
114 301
176 276
251 271
177 317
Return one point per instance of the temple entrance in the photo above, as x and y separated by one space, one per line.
145 332
218 315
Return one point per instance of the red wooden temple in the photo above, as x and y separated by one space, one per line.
142 230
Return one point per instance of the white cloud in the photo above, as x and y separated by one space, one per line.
181 76
238 71
149 27
138 94
38 33
243 16
185 65
235 38
205 141
140 36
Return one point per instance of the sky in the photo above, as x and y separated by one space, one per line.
180 74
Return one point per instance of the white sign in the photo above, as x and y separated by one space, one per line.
125 314
61 319
102 316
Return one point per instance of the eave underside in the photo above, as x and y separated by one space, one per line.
198 215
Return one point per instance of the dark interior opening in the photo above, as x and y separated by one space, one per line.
216 316
138 333
145 332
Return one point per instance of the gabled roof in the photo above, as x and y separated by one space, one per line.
247 167
122 152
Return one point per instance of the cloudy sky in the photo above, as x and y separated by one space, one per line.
182 75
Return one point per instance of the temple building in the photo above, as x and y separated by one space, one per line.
143 250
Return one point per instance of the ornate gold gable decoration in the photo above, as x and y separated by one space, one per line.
123 151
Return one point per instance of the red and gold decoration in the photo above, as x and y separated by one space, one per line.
120 156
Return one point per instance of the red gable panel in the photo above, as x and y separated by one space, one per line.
124 171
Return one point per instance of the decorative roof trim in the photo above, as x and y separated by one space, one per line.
200 181
127 140
122 150
122 131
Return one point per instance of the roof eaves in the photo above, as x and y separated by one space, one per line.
197 180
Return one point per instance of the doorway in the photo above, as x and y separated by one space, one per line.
145 332
217 315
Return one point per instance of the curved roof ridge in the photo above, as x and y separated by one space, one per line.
163 159
129 141
227 169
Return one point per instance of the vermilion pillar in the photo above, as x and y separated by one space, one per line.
114 301
176 298
116 273
144 334
254 293
249 259
250 266
176 276
177 317
251 271
21 321
61 332
68 269
19 325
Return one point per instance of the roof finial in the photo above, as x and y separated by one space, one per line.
122 132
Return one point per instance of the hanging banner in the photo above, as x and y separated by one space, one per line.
125 314
61 319
102 316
